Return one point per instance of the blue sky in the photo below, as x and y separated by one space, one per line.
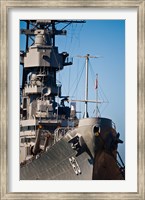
105 38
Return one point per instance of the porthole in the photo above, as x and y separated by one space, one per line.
96 130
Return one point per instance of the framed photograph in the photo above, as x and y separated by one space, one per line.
54 145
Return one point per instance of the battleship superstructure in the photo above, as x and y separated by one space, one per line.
54 143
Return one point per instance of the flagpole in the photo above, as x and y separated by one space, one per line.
96 87
86 84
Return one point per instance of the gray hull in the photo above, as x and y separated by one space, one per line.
82 154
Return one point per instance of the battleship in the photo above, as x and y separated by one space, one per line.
54 143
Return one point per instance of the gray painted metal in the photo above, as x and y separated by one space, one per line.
55 165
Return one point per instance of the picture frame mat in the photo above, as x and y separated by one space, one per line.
4 128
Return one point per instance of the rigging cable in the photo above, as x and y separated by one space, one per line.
75 36
102 95
78 80
105 100
96 110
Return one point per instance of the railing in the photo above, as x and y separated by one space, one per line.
60 133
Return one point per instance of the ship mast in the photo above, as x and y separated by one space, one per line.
86 115
86 88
